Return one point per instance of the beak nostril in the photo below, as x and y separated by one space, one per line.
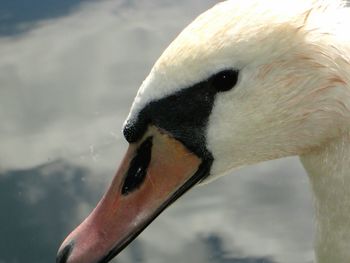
64 253
137 172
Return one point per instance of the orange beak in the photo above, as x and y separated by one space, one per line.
154 173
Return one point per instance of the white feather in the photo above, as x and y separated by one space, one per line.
292 98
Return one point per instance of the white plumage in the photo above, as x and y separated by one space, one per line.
292 98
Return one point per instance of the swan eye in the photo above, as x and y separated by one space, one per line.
225 80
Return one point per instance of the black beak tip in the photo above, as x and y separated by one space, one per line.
63 254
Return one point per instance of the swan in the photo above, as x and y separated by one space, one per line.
246 82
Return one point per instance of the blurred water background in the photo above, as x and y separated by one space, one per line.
68 73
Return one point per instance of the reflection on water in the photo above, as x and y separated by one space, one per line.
66 86
17 16
37 205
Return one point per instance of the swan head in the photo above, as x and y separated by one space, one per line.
292 79
244 83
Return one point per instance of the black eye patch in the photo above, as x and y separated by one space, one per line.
138 167
185 113
225 80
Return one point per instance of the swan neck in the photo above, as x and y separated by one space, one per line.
329 173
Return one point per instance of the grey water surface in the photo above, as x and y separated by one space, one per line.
68 73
